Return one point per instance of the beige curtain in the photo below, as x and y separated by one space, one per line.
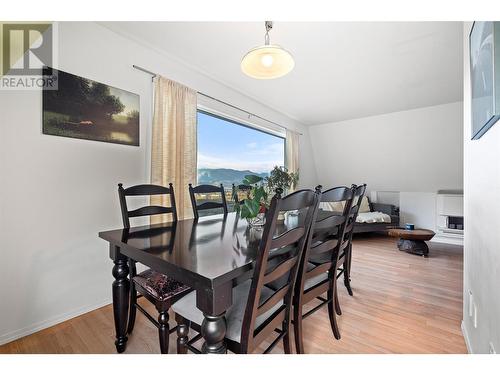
292 151
173 148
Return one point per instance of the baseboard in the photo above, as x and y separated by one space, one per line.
466 338
448 240
18 333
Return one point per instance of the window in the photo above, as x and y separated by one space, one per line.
227 151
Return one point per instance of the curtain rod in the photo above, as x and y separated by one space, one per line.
220 101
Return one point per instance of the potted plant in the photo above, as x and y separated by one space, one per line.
281 178
253 207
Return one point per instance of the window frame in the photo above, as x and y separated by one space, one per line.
249 125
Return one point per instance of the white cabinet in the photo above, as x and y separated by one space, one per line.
449 220
450 205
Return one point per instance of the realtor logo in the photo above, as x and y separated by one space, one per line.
27 56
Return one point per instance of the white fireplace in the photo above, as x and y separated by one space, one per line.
450 215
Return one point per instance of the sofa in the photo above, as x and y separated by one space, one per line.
368 209
372 217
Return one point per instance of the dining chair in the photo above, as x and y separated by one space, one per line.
207 205
345 269
162 291
241 187
321 259
257 310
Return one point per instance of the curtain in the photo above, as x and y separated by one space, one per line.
173 147
292 151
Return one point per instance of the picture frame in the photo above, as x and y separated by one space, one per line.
484 43
86 109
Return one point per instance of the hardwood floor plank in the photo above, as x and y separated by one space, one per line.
402 303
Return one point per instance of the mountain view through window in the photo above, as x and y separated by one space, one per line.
228 151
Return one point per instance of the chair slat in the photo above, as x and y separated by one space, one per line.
338 194
204 189
272 301
209 205
146 189
280 270
296 201
329 222
269 325
315 291
287 238
323 247
318 270
150 210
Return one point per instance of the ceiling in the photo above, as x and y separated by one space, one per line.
343 70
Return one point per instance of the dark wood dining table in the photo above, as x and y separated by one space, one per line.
211 254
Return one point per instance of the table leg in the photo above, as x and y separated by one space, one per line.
214 304
121 294
213 330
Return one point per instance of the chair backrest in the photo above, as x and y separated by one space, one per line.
143 190
327 238
359 192
238 188
285 251
207 205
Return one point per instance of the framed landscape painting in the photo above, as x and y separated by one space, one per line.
485 76
86 109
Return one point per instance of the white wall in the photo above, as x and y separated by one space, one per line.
414 151
482 223
58 193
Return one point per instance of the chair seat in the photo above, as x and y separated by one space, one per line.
158 285
186 307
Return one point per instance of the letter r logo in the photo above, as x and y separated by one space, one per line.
26 48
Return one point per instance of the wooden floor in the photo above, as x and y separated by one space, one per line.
402 304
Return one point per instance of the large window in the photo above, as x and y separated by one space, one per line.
227 151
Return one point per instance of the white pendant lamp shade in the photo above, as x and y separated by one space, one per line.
267 61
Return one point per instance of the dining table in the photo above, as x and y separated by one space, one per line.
210 254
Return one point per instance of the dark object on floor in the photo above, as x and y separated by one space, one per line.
412 241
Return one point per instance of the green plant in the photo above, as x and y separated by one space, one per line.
256 199
281 178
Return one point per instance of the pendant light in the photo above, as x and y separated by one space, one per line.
268 61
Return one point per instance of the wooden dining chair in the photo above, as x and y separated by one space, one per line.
240 188
318 272
162 291
207 205
257 310
346 255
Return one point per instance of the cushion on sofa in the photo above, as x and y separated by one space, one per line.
339 206
365 205
373 217
332 206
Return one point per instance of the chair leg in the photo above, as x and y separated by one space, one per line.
347 270
331 309
297 327
286 338
133 309
182 334
336 299
164 331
